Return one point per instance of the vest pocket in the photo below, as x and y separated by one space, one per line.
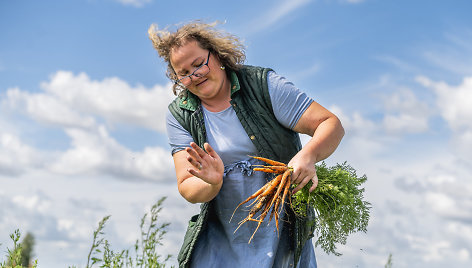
194 229
187 246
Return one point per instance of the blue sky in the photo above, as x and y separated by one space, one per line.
83 97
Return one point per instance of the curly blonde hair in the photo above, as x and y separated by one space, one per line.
228 48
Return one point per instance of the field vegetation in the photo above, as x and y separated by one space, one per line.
144 253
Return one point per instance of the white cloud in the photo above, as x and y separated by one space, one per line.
356 123
47 109
32 203
75 101
274 15
455 107
34 206
77 105
405 123
444 203
95 152
398 63
112 99
431 251
405 113
453 55
134 3
17 157
354 1
362 138
440 202
454 102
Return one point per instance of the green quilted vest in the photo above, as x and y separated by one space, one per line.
251 101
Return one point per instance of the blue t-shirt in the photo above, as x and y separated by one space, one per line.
224 130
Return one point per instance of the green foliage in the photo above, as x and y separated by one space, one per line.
338 204
151 238
15 256
389 263
27 249
97 242
145 248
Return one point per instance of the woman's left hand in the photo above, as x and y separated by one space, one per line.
304 170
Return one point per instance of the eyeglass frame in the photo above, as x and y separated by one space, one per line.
179 83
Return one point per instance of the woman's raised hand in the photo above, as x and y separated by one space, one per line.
207 166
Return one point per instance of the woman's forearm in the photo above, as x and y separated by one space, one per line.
195 190
324 141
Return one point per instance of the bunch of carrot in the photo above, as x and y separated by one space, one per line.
337 201
270 196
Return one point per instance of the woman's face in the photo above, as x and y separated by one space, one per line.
190 56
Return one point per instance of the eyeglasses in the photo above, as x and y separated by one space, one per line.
200 71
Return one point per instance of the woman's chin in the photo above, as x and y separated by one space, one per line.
204 90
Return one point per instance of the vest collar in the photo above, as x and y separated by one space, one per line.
233 78
191 102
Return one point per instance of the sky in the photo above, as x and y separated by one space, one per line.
83 97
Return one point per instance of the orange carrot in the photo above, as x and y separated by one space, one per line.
256 194
273 185
262 202
267 170
269 161
281 169
270 197
281 184
286 190
275 213
280 202
280 187
260 220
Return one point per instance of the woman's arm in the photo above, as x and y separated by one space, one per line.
326 131
199 174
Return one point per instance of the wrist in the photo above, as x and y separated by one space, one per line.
307 156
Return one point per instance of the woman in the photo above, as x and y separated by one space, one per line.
225 112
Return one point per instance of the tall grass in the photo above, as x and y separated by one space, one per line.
144 253
14 255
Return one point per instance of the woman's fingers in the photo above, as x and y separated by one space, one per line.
302 177
195 163
207 165
194 159
211 151
315 183
193 172
299 186
198 150
193 154
299 175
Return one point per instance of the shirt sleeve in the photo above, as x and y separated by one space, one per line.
179 137
288 102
